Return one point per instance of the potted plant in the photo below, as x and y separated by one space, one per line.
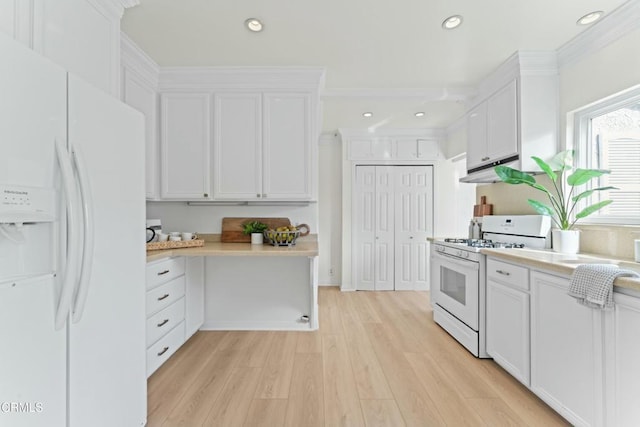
255 228
563 199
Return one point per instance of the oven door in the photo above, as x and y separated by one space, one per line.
456 286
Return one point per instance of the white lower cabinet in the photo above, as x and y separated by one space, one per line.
626 362
567 364
508 324
584 362
175 306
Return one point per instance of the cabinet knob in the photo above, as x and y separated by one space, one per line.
485 158
257 195
206 194
264 196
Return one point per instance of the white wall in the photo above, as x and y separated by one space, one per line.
330 211
178 216
612 69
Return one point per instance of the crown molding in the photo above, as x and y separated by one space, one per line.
135 59
211 78
426 133
614 25
519 64
460 93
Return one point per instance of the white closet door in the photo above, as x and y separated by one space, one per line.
413 225
384 228
364 227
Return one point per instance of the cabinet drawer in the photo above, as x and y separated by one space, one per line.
158 353
508 274
164 295
162 271
161 323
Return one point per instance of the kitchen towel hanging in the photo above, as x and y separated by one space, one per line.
592 284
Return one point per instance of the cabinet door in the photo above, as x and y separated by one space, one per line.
502 122
627 354
566 351
237 146
508 329
287 143
413 225
185 141
370 148
363 227
416 149
83 37
142 97
384 228
194 277
477 136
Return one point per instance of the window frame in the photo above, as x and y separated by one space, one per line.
582 133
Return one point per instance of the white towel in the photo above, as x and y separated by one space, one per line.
592 284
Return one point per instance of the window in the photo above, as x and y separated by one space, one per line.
608 137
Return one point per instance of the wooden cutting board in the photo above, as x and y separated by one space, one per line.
232 228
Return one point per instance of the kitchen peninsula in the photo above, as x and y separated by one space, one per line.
228 286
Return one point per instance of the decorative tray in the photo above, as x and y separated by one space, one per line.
175 245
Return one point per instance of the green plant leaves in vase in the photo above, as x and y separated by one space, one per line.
561 198
254 227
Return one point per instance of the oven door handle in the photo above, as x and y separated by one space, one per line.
469 265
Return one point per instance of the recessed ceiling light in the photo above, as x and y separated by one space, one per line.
367 114
253 24
452 22
590 18
419 114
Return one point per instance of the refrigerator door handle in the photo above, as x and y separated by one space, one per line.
73 238
88 243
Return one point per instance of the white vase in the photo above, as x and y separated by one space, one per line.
566 241
256 238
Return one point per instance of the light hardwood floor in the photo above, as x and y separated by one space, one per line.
377 360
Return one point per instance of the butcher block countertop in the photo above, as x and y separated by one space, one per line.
305 247
565 264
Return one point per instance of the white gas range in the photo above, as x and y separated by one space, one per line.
458 287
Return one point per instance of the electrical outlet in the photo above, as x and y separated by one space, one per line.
331 271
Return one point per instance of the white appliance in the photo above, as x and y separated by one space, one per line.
72 255
458 282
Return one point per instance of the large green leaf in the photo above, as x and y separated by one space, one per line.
590 192
513 176
593 208
541 208
582 176
545 167
562 161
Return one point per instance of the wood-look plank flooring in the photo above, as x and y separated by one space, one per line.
378 359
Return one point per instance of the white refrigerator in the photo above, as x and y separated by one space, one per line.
72 254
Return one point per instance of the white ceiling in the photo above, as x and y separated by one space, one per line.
373 50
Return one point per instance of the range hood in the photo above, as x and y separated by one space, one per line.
486 173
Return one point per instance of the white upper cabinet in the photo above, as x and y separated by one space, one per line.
141 96
83 36
502 123
139 89
514 117
237 146
286 153
416 149
185 146
262 146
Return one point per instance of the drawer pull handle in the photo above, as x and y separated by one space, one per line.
485 158
504 273
163 273
163 297
164 350
164 322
